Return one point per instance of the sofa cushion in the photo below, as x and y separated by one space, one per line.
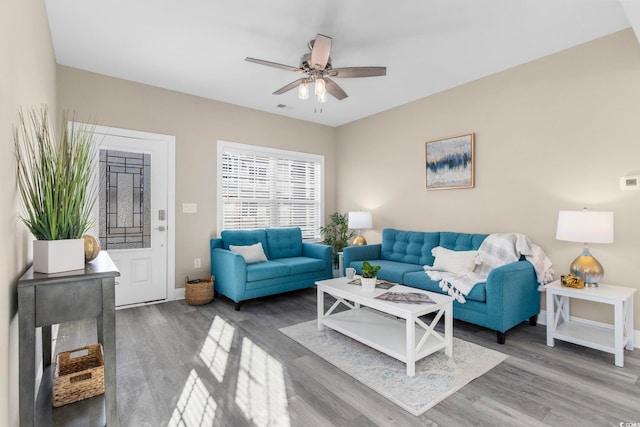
422 281
460 262
461 241
266 270
413 247
302 265
245 238
392 271
284 242
251 253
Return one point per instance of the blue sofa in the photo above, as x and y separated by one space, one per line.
508 297
291 263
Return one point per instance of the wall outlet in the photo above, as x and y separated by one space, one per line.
196 263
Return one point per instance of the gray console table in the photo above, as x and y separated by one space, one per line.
48 299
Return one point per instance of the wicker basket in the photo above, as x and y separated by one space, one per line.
199 291
79 375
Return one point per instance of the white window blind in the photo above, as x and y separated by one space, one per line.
267 188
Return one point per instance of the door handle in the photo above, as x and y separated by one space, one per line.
160 228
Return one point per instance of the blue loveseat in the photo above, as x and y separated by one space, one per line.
508 297
290 263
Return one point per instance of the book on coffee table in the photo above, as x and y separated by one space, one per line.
380 284
407 297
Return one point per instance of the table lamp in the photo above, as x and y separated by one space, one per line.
359 221
587 227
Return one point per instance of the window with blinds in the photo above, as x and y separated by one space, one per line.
260 187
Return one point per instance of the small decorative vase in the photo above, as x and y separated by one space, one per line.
55 256
368 284
91 247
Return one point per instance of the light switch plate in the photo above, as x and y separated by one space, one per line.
189 208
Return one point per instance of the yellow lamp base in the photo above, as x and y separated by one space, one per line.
358 241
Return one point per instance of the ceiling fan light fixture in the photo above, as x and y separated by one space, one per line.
320 89
321 98
303 90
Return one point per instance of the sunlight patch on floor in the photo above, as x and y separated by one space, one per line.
261 392
216 347
195 407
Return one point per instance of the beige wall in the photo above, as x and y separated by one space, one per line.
553 134
197 124
27 78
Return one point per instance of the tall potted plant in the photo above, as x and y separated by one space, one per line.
54 184
337 234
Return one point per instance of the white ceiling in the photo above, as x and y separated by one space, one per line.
198 46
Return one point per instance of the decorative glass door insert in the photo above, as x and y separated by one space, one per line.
125 200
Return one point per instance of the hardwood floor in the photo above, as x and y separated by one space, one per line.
213 366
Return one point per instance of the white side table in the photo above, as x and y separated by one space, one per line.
560 326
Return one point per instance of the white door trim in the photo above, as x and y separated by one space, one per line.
171 194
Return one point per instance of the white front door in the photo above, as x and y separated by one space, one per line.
134 221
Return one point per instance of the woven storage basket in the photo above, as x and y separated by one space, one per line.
78 376
198 293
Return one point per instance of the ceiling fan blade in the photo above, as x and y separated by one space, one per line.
273 64
290 86
335 90
358 72
320 52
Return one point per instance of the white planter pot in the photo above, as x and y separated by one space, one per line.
368 284
55 256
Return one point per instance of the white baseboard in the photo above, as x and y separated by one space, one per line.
178 293
542 319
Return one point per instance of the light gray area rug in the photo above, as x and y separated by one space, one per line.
437 376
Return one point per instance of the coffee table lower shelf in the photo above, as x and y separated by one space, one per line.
382 333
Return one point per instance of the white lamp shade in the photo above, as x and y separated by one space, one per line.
360 220
585 226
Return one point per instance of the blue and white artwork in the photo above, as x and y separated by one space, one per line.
449 162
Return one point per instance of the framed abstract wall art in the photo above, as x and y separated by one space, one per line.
450 162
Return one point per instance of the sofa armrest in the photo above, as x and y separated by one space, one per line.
361 253
316 250
320 251
230 272
512 295
216 243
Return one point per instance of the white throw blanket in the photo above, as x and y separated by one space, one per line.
496 250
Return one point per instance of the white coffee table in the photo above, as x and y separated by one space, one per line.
402 335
